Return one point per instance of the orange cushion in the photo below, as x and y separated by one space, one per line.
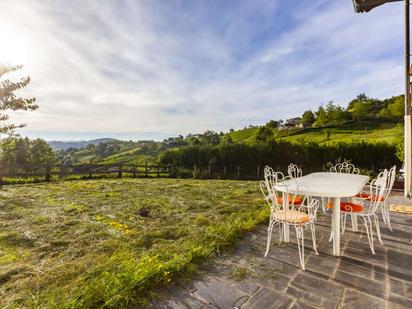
367 196
347 206
297 200
291 216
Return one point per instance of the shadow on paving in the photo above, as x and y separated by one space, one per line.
243 278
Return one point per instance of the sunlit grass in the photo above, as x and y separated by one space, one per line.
88 244
372 132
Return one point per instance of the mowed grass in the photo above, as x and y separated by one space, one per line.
111 242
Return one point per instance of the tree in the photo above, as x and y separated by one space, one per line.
9 101
331 115
359 98
395 108
18 150
361 111
41 152
272 124
362 107
321 117
210 138
308 118
264 135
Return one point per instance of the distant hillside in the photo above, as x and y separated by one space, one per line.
60 145
354 131
114 151
364 119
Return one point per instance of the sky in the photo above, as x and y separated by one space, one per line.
151 69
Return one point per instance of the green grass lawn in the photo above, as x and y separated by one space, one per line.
85 244
247 135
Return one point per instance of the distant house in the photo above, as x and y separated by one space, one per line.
291 123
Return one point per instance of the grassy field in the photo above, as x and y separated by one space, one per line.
372 132
383 132
129 156
110 243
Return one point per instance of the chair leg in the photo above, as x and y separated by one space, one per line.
388 216
343 222
354 220
378 230
301 245
270 229
369 233
383 212
312 227
280 232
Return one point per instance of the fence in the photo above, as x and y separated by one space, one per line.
43 172
21 173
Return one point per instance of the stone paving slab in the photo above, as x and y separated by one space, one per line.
356 279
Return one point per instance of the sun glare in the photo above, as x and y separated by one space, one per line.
14 47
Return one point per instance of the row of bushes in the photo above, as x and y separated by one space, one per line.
228 158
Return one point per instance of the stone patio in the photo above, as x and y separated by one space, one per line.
243 278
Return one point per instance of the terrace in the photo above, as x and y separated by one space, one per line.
243 278
198 239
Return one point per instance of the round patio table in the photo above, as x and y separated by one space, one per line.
330 185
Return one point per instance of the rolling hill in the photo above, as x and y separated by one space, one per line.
360 131
63 145
108 151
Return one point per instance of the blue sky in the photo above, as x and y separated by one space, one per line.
150 69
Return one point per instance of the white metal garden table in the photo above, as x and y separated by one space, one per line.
329 185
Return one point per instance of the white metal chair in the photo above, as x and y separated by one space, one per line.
272 177
365 208
385 206
282 214
390 180
294 171
343 167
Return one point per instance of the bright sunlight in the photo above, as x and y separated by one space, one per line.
15 48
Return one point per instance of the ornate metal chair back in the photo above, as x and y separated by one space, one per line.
294 171
345 167
390 181
377 190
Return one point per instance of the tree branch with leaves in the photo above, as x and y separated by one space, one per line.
9 101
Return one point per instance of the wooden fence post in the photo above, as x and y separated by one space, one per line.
146 172
238 171
170 168
60 172
209 172
158 171
120 171
1 174
134 171
47 178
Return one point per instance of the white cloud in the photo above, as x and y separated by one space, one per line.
132 67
